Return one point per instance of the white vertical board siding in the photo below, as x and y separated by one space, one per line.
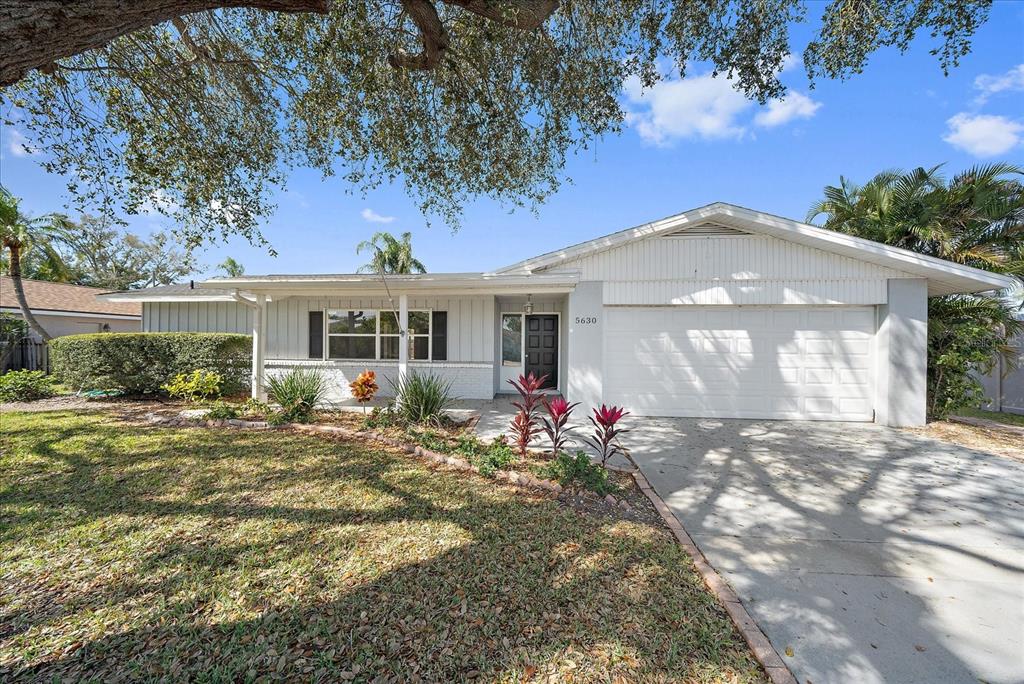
749 270
226 317
470 323
810 363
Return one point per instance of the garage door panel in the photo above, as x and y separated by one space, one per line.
764 362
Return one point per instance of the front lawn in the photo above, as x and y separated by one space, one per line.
213 555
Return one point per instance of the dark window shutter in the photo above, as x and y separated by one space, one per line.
316 334
439 332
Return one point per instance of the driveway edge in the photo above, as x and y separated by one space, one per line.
770 660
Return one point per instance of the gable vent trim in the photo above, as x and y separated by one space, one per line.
707 230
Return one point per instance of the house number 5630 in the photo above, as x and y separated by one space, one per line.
586 320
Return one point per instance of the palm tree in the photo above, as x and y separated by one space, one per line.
976 219
19 233
391 255
231 268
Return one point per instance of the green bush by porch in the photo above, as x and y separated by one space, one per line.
139 363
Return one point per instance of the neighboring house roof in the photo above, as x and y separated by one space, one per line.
944 277
46 297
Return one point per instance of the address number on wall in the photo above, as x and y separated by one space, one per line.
586 320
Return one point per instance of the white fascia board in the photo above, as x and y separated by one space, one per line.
73 314
143 298
452 284
945 277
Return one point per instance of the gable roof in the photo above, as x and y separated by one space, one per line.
944 277
62 297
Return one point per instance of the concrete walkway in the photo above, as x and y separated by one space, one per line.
875 555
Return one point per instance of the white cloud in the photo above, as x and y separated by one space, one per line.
983 135
17 144
706 107
160 202
698 107
780 111
373 217
989 85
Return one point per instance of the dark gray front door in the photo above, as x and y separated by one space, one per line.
542 347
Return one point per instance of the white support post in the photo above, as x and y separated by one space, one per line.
259 346
403 340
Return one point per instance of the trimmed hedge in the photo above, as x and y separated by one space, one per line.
139 363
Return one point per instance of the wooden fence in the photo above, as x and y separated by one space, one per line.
25 354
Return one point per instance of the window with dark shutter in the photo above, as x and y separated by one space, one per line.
439 332
316 334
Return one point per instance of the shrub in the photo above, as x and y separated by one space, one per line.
382 418
422 397
579 470
488 458
298 392
428 439
195 386
524 423
221 410
25 385
139 363
496 456
254 408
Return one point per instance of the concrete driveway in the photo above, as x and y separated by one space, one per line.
875 555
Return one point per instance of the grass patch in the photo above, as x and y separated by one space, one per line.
214 556
995 416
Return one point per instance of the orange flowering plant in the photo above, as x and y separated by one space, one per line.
364 387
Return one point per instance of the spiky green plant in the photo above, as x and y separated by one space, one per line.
298 392
422 397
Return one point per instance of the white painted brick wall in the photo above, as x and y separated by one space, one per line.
469 380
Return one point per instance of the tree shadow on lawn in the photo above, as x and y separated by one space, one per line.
132 553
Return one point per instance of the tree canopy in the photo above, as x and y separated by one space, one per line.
391 255
200 115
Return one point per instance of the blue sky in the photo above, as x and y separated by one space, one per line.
687 143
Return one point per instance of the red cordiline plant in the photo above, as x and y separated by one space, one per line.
605 431
556 428
524 424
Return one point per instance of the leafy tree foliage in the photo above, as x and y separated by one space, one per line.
101 255
95 253
231 268
201 117
977 219
20 233
390 255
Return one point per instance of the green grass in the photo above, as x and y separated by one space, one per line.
220 556
1005 418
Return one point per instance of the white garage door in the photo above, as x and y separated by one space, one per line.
740 362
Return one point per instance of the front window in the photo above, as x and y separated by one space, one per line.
418 338
352 334
375 335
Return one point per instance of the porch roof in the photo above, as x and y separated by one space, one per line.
361 284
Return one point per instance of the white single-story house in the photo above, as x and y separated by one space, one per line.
720 312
